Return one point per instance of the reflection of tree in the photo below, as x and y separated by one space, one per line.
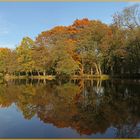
99 104
129 130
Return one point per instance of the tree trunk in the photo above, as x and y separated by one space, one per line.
44 73
91 71
26 73
96 67
99 67
38 73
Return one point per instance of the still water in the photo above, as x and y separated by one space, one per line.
78 108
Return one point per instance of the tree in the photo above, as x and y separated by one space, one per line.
132 62
62 61
7 61
90 45
83 48
128 18
40 57
24 56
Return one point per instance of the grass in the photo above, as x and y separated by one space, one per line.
48 77
86 76
52 77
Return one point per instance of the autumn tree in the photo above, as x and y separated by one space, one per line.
7 61
24 56
128 21
91 45
86 47
40 57
128 18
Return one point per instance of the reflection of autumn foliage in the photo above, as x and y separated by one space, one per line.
99 105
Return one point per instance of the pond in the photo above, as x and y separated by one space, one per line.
73 109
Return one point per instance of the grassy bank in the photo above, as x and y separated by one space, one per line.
51 77
48 77
85 76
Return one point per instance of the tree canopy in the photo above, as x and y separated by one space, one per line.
84 47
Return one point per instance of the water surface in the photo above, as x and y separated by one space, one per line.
72 109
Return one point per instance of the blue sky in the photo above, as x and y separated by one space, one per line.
20 19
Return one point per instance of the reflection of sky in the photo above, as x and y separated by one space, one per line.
19 19
12 124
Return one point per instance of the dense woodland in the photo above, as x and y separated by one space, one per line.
86 47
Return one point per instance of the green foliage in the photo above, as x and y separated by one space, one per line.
24 55
85 47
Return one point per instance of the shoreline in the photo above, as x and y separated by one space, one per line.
84 76
52 77
12 77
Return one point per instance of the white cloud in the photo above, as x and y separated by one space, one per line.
3 45
133 3
3 31
4 27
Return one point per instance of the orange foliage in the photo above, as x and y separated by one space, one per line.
81 23
4 49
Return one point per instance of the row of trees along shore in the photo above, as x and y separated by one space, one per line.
85 47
